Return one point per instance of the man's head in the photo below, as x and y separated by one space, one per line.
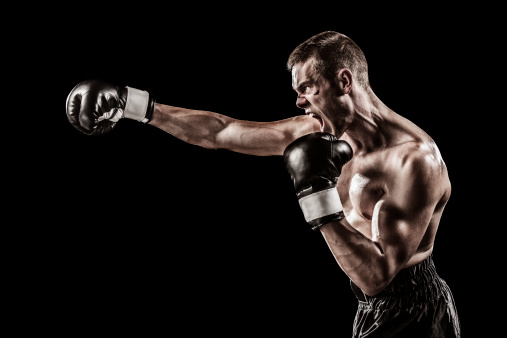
325 69
332 51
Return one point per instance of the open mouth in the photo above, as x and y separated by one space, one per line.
318 118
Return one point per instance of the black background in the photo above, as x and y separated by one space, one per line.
140 232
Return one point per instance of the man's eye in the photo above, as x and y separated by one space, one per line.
306 89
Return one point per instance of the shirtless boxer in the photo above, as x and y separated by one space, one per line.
371 181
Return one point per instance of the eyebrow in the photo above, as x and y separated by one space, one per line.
302 84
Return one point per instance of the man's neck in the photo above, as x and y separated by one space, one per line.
366 130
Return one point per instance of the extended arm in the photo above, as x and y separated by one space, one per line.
94 107
215 131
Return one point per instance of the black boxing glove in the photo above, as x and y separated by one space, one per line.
94 106
314 163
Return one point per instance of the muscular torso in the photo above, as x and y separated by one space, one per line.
366 178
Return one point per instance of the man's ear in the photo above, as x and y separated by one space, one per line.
345 79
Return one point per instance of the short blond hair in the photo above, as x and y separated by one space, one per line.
332 51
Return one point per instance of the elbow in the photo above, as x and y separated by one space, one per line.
375 283
373 289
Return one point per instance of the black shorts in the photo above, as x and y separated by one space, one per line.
417 303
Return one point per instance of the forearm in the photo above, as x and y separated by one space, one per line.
197 127
358 256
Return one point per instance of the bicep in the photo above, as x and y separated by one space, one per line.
264 138
398 230
402 216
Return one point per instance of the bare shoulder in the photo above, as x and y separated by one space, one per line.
419 155
419 164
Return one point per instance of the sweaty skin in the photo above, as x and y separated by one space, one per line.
393 190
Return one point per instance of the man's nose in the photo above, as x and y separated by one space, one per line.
302 102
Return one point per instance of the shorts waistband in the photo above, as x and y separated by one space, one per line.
420 280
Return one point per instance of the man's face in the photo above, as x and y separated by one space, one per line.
317 96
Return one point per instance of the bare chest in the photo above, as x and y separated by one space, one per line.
360 190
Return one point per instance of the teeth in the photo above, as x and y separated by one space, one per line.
319 119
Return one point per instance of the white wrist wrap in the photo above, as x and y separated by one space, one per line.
137 104
320 204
